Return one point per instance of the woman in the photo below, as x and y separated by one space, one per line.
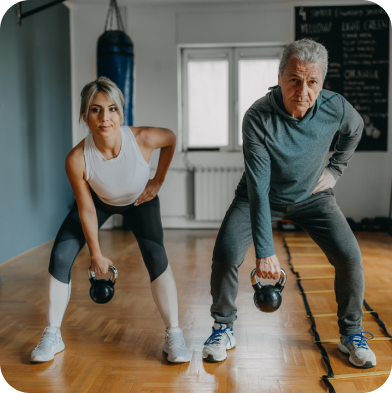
109 174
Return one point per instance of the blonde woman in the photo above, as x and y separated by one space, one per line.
109 173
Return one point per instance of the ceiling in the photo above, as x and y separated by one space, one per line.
182 2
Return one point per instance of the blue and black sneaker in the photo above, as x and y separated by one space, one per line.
221 339
359 350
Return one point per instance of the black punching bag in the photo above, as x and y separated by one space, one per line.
115 59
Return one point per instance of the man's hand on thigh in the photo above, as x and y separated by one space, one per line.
326 181
268 267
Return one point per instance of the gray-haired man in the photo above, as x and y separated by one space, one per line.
286 137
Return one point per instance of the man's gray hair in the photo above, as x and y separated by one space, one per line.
306 51
106 86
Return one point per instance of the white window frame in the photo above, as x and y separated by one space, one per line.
206 54
233 54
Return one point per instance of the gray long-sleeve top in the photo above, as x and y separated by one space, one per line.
285 157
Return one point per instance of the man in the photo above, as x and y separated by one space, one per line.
286 137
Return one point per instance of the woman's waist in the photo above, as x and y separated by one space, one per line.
112 200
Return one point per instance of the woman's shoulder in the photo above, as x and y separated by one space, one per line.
75 158
140 134
152 137
147 133
131 130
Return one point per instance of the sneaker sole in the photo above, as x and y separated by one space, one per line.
210 357
180 359
345 350
38 359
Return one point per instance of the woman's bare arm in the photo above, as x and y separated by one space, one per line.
149 139
76 168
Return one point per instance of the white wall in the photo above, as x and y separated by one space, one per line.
156 31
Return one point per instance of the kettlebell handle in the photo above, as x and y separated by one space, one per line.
113 278
282 280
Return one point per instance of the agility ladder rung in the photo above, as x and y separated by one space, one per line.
301 245
360 375
298 238
336 340
332 314
321 291
312 266
316 278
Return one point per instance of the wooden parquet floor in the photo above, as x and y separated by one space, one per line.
117 347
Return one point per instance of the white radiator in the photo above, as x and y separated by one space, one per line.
213 191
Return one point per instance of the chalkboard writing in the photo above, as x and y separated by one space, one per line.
357 40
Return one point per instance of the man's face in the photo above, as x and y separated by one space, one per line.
301 84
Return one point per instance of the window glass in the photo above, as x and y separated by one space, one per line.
208 102
255 76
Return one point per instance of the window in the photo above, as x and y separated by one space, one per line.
218 86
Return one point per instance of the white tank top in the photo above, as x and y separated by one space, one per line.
121 180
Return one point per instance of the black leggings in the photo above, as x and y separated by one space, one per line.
144 220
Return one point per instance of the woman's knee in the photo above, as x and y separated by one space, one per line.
62 258
154 257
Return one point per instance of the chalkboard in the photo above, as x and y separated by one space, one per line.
357 40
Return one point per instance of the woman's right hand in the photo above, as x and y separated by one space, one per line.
100 265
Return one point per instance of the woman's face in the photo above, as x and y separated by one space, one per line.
103 116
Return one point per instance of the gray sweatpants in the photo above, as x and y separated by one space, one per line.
321 218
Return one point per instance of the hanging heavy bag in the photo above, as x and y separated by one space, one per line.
115 58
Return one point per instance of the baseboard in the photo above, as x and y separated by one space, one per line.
23 254
188 223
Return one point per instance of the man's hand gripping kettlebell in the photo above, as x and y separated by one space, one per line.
268 267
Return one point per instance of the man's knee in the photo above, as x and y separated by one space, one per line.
224 257
347 256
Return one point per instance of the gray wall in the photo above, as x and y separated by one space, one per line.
35 127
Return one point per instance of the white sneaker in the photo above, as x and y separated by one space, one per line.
175 346
221 339
359 350
51 343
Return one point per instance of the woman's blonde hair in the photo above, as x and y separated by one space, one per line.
106 86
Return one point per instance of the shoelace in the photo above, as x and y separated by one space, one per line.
359 339
176 340
216 335
47 340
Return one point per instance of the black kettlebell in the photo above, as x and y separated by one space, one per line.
102 291
268 298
